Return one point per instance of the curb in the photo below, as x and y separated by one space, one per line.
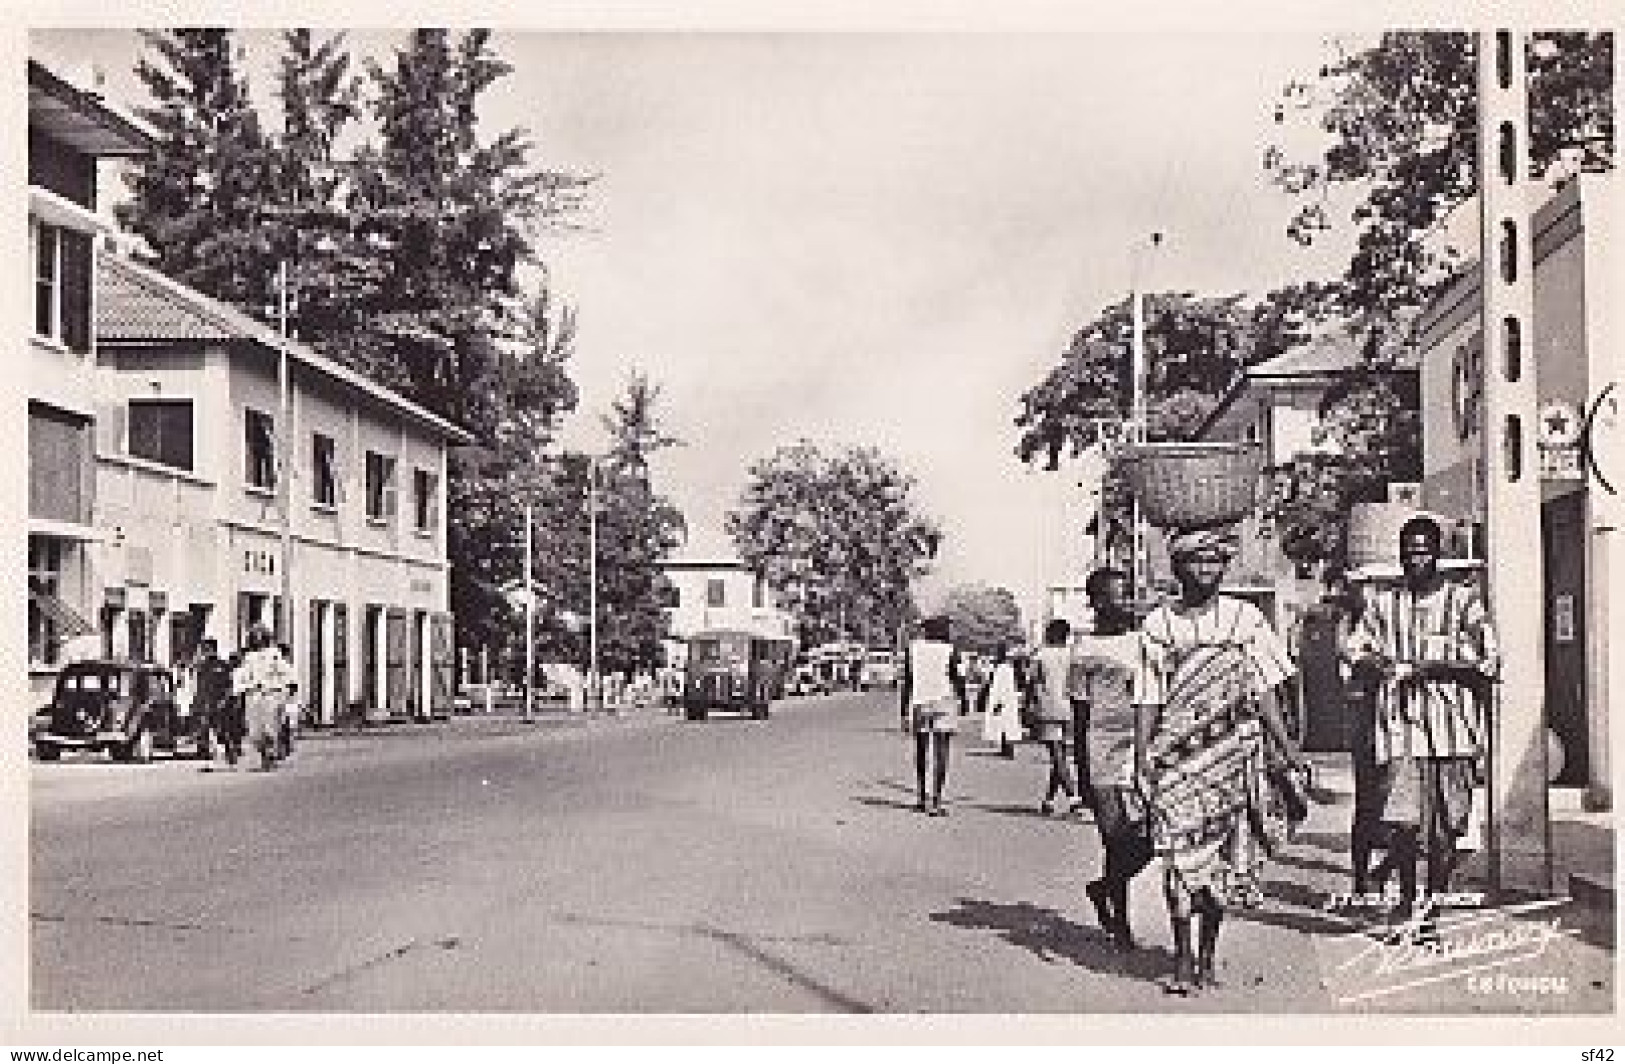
469 723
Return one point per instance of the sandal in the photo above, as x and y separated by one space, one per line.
938 810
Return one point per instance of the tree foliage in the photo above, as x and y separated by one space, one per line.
1196 348
406 259
983 617
840 539
1400 124
195 199
638 529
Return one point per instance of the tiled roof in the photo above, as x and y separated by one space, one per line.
1323 355
129 308
137 305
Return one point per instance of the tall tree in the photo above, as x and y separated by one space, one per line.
196 199
331 274
839 538
490 486
638 528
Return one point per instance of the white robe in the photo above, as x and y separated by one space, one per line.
1003 718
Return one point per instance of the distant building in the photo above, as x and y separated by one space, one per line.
1278 404
712 587
189 495
69 130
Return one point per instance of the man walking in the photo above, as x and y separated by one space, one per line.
1429 644
211 696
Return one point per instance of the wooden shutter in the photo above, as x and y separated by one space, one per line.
395 652
75 281
443 662
341 659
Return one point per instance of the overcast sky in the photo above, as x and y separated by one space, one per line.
877 239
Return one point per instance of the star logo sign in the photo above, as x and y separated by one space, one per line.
1559 423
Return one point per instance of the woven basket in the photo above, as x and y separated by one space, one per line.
1187 485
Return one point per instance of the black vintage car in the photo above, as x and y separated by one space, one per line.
737 671
126 708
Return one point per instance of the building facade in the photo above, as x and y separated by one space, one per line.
1279 405
69 130
713 588
1573 357
198 452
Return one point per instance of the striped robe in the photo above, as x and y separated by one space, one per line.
1435 719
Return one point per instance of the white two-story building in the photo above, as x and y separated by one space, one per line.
69 130
713 588
197 455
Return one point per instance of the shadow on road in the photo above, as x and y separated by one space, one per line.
1025 810
884 803
1311 864
1053 937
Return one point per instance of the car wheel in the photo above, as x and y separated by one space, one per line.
47 751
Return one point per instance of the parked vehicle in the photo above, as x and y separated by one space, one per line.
733 670
804 679
126 708
880 669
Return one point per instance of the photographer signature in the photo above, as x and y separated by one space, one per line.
1426 949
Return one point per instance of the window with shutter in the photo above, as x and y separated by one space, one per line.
160 430
325 467
380 486
259 449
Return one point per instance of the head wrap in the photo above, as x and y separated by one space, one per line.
1188 542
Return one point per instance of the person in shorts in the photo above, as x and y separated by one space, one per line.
1108 659
931 694
1051 679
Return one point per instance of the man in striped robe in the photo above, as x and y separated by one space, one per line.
1429 644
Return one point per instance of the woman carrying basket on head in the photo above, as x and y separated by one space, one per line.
1205 708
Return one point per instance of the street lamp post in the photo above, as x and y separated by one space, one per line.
284 465
530 610
1136 428
594 690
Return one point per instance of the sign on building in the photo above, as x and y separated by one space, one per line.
1558 439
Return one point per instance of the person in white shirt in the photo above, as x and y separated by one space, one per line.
932 693
1107 659
1001 704
262 680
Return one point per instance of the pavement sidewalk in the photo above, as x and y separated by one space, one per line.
502 721
1582 841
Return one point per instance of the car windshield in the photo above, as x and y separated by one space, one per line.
91 681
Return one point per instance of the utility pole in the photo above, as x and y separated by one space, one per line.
1519 852
530 609
594 691
283 438
1136 433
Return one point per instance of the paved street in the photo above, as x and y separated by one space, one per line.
644 864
